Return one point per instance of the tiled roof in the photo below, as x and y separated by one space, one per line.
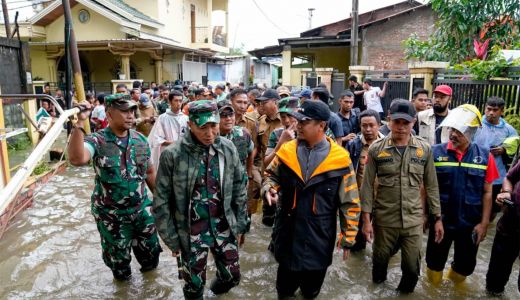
129 9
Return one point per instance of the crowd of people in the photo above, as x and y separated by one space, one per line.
214 156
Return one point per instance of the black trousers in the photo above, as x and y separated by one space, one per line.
506 247
465 254
309 282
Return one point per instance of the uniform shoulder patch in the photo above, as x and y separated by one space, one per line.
384 154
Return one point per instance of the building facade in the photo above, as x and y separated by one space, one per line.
131 39
324 50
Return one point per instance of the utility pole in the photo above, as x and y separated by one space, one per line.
6 19
354 34
311 10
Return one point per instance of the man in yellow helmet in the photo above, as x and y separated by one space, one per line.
465 172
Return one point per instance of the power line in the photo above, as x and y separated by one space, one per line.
24 6
19 1
268 19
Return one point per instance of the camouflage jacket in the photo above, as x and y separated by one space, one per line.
120 186
243 142
178 169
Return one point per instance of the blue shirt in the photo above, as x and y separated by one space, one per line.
350 124
489 136
335 125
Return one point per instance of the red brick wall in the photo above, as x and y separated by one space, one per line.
382 42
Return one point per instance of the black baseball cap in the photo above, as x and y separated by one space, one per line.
312 110
402 109
269 94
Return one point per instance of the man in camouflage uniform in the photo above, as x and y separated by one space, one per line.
120 203
200 202
240 136
283 134
161 102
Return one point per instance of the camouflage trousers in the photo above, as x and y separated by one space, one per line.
122 233
224 249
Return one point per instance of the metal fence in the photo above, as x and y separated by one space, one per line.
476 92
398 84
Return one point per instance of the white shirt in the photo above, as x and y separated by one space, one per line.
168 127
99 112
372 99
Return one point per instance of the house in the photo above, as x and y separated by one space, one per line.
247 69
152 40
324 50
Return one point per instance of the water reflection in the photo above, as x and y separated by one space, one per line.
52 251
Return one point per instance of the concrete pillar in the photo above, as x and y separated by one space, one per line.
5 173
425 70
359 72
227 25
125 65
209 7
159 71
127 82
53 69
286 65
30 107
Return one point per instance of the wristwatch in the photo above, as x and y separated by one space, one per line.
437 218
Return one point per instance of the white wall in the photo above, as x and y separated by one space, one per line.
262 73
236 71
193 71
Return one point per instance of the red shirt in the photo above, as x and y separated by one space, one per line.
491 170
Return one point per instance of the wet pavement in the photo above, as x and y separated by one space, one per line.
52 251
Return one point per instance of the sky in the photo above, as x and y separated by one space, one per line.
286 18
260 23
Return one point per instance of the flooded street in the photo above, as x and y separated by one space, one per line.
52 251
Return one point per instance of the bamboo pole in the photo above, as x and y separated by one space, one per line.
74 57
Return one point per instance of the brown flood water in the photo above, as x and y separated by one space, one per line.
52 251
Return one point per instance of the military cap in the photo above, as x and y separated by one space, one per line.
288 104
120 102
203 111
225 105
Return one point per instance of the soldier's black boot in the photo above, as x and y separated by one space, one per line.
193 295
219 287
149 264
122 274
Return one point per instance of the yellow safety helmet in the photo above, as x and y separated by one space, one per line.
466 118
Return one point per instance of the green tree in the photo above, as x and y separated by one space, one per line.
460 22
237 50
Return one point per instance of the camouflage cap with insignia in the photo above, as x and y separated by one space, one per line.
288 104
203 111
120 102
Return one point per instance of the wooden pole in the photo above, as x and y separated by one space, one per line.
74 59
354 34
6 19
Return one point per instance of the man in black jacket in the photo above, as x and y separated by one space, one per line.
312 181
